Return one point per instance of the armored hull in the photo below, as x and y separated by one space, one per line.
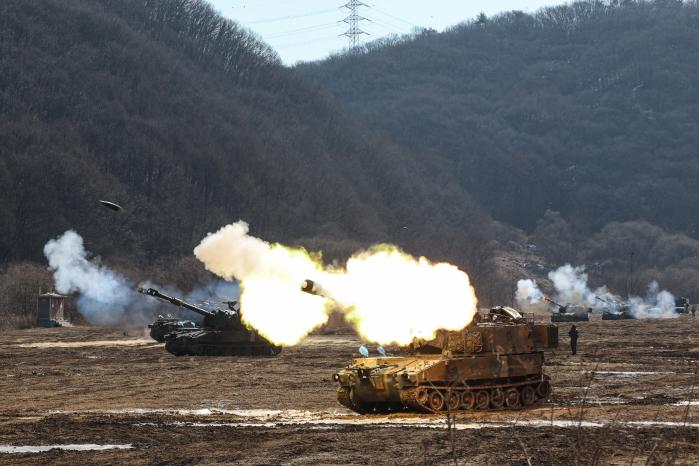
162 327
489 365
241 342
571 314
568 313
621 315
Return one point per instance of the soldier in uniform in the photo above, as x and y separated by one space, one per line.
694 310
573 334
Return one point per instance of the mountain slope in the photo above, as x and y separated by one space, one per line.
589 109
190 123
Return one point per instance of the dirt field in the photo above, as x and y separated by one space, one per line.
626 398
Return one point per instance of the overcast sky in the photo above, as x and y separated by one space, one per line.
302 30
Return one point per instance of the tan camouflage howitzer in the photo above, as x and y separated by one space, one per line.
492 364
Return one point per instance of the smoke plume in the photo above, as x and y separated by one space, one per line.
104 295
108 298
528 293
657 304
571 288
387 295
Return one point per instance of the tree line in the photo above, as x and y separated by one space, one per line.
585 109
190 122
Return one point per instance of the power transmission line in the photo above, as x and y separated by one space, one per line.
393 16
302 30
298 44
386 25
285 18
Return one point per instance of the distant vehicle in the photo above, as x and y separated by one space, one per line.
568 313
682 305
621 313
615 310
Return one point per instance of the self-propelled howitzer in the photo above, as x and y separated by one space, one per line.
222 332
568 313
616 310
219 319
494 363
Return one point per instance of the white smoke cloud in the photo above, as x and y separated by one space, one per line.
528 293
657 304
571 289
108 298
104 295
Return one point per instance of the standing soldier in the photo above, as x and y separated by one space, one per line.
573 334
694 309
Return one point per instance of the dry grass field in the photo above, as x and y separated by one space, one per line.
628 397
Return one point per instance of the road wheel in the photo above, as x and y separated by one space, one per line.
497 398
482 399
422 396
453 400
436 401
528 395
512 398
544 389
468 400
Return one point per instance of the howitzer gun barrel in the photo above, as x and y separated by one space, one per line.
599 298
311 287
612 302
549 300
176 301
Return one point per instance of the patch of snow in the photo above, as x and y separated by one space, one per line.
87 344
382 422
69 447
687 403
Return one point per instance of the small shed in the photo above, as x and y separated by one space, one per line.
49 310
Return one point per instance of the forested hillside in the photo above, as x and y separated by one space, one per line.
190 122
587 109
574 127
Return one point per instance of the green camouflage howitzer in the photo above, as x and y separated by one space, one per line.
568 313
222 333
616 310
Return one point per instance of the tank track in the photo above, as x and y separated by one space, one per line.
344 398
496 397
408 398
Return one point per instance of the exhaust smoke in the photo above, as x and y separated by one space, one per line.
108 298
